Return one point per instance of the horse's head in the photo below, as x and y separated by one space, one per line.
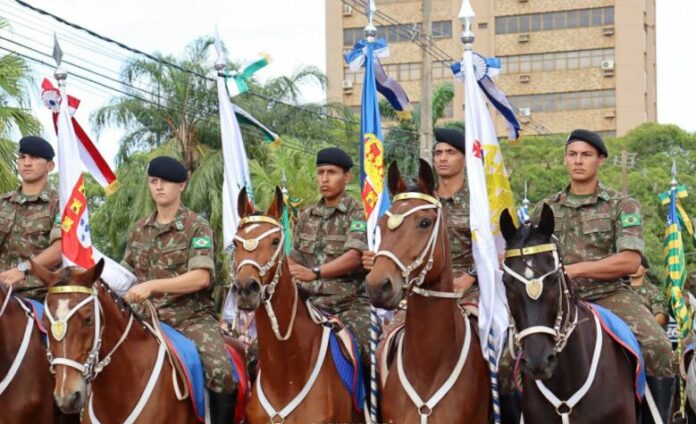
410 255
538 294
73 316
259 251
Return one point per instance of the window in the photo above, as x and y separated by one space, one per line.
555 61
581 18
442 29
553 102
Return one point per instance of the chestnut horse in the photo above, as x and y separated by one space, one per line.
96 340
297 382
439 374
573 371
25 381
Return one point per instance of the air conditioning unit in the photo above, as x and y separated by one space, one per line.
347 85
610 114
347 10
524 78
523 38
525 111
608 31
607 65
522 1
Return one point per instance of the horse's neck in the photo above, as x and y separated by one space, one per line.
10 332
292 357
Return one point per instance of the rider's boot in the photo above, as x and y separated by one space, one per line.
222 406
663 390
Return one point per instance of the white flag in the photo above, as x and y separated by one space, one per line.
487 180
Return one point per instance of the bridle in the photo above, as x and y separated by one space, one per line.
414 284
562 328
59 328
267 290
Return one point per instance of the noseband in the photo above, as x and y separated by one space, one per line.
395 220
267 290
562 329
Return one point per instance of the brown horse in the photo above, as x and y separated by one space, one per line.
296 383
25 381
568 372
96 340
439 374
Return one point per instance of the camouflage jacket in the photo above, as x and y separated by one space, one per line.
592 228
156 251
459 229
28 225
653 297
321 235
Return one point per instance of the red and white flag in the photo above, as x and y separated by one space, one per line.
88 152
76 243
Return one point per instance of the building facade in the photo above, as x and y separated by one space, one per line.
565 64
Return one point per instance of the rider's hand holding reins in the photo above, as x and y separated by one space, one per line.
368 259
139 293
11 277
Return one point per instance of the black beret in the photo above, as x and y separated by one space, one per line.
589 137
334 156
36 146
451 136
167 168
645 262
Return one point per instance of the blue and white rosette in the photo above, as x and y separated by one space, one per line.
485 69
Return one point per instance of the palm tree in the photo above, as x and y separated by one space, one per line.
15 113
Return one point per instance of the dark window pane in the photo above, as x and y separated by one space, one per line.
584 18
596 16
524 23
608 16
512 24
572 19
500 25
559 20
547 20
536 22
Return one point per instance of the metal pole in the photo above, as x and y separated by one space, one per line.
426 118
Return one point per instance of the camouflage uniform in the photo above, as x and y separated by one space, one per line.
321 235
593 227
653 298
157 251
28 225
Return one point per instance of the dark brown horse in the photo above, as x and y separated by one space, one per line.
439 371
297 381
25 381
567 369
95 339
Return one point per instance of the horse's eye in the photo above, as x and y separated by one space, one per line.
88 320
275 242
425 223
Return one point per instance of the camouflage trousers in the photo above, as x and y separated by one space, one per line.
654 344
207 335
356 318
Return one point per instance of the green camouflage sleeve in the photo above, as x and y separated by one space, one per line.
357 231
201 250
55 233
294 254
628 226
127 260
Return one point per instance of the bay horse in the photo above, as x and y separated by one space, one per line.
573 370
439 374
25 381
104 357
296 382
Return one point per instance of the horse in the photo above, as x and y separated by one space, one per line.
104 357
296 382
25 381
439 374
572 368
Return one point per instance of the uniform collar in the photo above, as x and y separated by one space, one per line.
320 209
177 224
44 195
601 192
459 197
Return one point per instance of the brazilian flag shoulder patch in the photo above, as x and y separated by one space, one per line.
57 220
358 227
202 243
630 220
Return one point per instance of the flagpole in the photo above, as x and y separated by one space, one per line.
466 16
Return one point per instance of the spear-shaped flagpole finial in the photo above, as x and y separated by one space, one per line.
466 16
221 63
370 29
284 183
60 74
674 174
525 202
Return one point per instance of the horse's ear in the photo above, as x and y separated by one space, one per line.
88 277
426 178
275 210
396 183
546 222
244 206
507 225
43 274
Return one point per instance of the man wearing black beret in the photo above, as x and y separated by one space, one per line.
172 256
30 220
328 242
600 232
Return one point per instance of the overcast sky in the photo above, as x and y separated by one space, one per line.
291 31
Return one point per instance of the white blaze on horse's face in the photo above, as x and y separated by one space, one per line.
63 309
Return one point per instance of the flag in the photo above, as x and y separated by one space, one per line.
239 79
490 194
684 220
88 152
76 243
675 265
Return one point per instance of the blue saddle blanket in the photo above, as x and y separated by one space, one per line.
349 368
622 334
38 309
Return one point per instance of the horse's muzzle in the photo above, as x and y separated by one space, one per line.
384 293
539 367
71 402
248 294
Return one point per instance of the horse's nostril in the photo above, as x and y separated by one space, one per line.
75 400
386 286
253 286
551 359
